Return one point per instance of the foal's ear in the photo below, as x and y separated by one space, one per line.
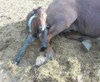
34 10
39 7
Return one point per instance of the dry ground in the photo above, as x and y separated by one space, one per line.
71 64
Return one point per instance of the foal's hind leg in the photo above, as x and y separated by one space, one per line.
85 40
49 53
53 31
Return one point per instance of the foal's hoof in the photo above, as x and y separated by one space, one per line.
43 49
40 61
50 55
16 63
87 45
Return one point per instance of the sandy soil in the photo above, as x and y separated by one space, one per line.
71 63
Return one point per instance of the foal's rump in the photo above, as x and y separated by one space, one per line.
89 17
61 10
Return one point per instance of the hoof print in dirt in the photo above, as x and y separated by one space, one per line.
40 61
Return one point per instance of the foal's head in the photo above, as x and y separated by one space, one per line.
37 20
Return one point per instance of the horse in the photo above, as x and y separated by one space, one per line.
36 25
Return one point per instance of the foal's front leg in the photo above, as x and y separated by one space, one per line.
27 42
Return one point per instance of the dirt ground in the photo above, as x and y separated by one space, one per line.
71 62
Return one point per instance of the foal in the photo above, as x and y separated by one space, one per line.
36 23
